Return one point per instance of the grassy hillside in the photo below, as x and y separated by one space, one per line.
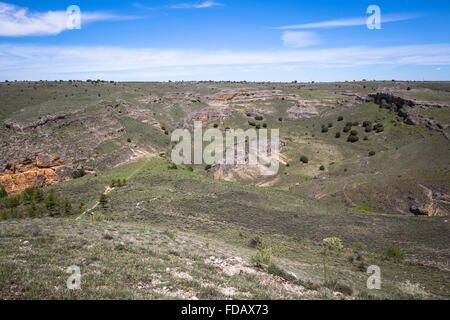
170 232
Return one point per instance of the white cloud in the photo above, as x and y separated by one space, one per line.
205 4
19 21
346 22
56 62
300 39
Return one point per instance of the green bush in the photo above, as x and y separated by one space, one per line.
172 166
347 129
103 200
277 271
259 118
340 118
354 133
369 128
359 246
394 253
3 193
304 159
78 173
322 168
333 243
263 254
352 139
338 135
324 129
371 153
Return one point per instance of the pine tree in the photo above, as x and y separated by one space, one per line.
103 200
67 205
3 193
50 202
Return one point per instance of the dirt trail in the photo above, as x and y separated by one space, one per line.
108 190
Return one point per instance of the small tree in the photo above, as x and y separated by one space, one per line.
304 159
67 205
371 153
12 202
3 193
103 200
322 168
340 118
338 135
51 202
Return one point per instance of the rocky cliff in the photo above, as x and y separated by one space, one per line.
36 171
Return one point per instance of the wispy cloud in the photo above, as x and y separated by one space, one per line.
347 22
20 21
205 4
296 39
54 62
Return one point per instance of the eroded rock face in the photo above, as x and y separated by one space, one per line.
36 171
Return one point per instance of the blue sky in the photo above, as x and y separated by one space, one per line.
225 40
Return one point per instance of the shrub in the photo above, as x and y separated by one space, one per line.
340 118
366 124
216 125
190 169
259 118
322 168
172 166
78 173
380 129
324 129
103 200
3 193
333 243
338 135
304 159
369 128
394 253
98 216
280 119
355 124
207 167
366 138
277 271
352 139
252 123
349 124
263 254
354 133
346 129
330 125
129 140
255 242
264 125
371 153
67 205
258 126
359 246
